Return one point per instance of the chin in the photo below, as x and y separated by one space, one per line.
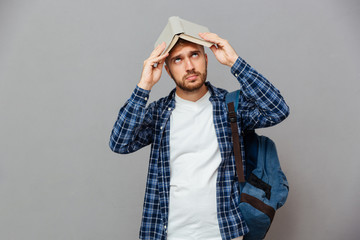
191 87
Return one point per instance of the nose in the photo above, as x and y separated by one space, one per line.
189 65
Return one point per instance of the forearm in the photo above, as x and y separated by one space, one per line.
269 107
132 128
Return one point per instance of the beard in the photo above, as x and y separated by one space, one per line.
190 86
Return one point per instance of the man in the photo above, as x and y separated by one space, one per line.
192 190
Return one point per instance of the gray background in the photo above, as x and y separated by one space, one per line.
66 67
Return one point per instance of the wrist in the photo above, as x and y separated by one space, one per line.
232 60
145 86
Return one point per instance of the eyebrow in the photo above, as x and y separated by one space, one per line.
175 57
195 51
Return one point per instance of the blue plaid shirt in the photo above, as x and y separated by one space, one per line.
260 105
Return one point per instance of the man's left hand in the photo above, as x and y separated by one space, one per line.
223 51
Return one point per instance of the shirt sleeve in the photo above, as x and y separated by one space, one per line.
133 127
260 103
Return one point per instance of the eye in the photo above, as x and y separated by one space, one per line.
195 54
177 60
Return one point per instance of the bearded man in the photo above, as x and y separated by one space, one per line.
192 192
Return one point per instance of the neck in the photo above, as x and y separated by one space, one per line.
192 95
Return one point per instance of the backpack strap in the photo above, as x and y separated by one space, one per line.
231 98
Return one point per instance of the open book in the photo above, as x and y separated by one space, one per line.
179 28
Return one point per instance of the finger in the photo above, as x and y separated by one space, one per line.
161 58
158 49
211 37
160 64
158 60
214 38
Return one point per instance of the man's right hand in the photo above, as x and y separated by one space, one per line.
152 68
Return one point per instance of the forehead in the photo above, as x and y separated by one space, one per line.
184 48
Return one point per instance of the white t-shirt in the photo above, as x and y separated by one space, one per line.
194 161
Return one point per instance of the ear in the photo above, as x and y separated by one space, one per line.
206 60
167 69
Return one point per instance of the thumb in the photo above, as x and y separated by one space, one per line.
213 48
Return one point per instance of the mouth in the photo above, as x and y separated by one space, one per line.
191 77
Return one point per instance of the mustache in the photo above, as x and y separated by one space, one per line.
191 72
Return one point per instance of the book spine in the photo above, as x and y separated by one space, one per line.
176 26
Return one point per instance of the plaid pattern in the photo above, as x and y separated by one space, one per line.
260 105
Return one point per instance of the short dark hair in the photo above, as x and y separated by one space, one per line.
182 42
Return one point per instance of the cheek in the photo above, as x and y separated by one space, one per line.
176 71
203 65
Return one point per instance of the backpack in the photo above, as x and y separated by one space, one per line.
264 188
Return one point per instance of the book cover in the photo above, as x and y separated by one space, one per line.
179 28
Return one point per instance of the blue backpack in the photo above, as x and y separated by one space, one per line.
264 188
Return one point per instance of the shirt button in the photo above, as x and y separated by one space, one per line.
164 226
169 109
145 98
236 74
161 128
